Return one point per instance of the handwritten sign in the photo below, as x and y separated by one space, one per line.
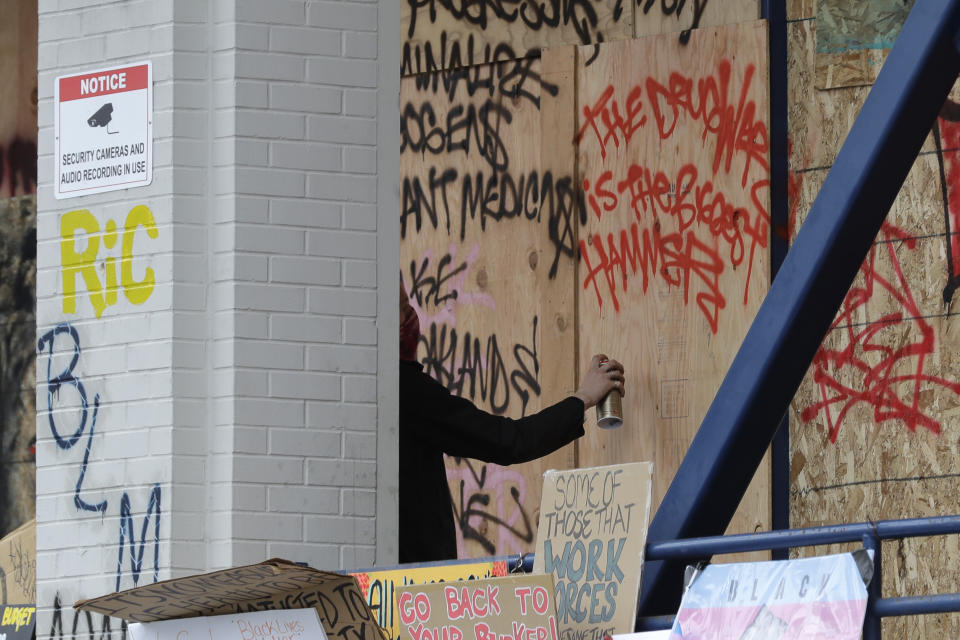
514 608
290 624
379 586
593 529
269 586
823 597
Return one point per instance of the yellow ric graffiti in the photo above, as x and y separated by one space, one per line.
75 263
18 616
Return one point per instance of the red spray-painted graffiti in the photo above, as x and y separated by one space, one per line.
867 369
701 217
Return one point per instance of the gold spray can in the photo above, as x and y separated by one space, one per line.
609 410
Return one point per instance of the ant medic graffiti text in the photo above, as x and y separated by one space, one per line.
462 114
683 229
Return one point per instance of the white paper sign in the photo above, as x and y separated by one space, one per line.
286 624
103 128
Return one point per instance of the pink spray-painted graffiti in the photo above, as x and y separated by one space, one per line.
488 506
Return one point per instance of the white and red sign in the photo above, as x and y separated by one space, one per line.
103 130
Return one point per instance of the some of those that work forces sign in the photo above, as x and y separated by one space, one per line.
103 130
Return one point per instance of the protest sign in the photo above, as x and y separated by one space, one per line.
822 598
18 583
288 624
379 586
515 608
268 586
591 537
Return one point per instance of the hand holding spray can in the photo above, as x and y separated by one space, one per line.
609 409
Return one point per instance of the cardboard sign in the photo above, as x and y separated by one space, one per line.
514 608
18 565
268 586
290 624
18 583
823 597
379 587
591 537
103 130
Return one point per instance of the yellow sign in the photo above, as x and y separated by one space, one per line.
378 587
17 616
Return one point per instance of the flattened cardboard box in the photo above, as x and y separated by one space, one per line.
273 584
18 582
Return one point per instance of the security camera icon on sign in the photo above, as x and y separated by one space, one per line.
102 117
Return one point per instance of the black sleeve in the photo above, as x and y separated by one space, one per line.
458 428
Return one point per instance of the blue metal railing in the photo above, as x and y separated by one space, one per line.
870 534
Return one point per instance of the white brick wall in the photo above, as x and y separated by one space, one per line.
243 394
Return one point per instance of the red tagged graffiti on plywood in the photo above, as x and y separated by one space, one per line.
683 228
881 364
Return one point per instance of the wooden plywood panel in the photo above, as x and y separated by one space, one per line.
481 259
873 425
818 121
801 9
673 148
443 35
854 38
654 17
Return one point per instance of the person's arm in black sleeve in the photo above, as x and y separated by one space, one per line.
458 428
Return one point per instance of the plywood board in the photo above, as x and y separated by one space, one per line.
854 38
801 9
673 158
486 252
444 35
655 17
873 425
818 121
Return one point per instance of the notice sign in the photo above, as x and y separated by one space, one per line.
103 131
591 537
513 608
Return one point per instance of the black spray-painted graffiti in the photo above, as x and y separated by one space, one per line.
23 571
498 193
518 80
482 372
495 197
675 7
474 503
496 15
76 631
63 381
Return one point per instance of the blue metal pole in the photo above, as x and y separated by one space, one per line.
917 605
871 622
806 293
808 537
775 12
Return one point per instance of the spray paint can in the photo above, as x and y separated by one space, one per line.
609 410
